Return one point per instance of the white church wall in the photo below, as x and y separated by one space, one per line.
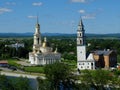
81 53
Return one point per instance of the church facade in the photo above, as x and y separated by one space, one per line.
83 61
42 53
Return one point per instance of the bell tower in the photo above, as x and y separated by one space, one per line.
81 47
37 37
80 34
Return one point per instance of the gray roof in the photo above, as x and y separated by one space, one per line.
103 52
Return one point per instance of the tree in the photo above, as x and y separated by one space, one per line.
3 83
19 83
101 78
96 79
86 79
43 84
57 72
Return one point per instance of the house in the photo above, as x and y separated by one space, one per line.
105 58
3 63
16 45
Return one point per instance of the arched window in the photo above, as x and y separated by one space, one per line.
80 41
80 34
38 40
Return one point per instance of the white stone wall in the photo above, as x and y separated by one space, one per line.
81 53
86 65
42 59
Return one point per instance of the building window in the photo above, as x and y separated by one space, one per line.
38 40
92 64
80 34
87 66
80 41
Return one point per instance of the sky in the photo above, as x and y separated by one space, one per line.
60 16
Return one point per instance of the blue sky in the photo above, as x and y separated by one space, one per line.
60 16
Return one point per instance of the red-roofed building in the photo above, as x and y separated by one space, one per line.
3 63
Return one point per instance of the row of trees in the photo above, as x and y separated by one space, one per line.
60 77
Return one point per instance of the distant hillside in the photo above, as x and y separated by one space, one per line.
116 35
16 34
31 34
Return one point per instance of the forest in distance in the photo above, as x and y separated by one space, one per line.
89 35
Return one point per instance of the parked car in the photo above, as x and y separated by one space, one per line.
12 68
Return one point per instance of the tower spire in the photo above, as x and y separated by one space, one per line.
37 20
81 22
80 25
37 24
80 34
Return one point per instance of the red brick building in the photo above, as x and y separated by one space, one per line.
105 58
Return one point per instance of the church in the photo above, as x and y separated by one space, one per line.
42 53
96 59
83 61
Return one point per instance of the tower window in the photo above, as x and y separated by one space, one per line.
80 34
80 41
38 40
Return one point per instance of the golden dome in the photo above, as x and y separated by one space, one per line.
45 43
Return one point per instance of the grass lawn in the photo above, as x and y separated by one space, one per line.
38 69
12 62
34 69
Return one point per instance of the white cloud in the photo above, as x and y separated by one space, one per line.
86 15
89 16
80 1
30 16
10 3
81 11
4 10
37 3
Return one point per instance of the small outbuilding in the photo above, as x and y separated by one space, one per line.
4 63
